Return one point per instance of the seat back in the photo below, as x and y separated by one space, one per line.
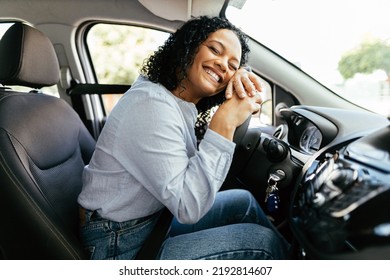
43 149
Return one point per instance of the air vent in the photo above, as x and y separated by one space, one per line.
280 131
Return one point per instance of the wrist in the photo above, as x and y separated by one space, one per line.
222 127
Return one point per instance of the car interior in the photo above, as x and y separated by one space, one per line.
328 157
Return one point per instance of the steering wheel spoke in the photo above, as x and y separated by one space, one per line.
246 141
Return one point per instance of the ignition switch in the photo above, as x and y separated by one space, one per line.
275 150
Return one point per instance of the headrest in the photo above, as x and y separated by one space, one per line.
27 58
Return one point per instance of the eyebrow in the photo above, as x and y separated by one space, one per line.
224 47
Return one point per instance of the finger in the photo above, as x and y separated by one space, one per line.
256 108
248 85
242 75
239 88
229 90
258 98
256 82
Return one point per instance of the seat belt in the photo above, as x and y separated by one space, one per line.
152 245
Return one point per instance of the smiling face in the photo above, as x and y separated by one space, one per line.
216 61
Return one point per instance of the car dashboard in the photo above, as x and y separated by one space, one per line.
340 202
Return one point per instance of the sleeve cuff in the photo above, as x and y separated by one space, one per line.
219 141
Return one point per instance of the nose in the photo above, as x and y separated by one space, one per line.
222 63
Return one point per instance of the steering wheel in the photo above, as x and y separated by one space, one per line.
240 132
240 156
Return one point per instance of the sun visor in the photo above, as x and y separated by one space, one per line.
183 10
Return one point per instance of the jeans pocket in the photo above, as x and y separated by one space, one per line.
105 239
98 239
89 252
130 239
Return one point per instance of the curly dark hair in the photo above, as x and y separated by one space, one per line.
169 64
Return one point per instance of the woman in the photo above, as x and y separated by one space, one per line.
148 157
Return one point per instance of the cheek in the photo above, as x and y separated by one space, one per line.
193 72
228 77
230 73
221 88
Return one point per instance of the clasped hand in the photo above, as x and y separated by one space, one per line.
243 83
242 100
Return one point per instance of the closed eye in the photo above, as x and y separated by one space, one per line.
233 67
218 52
214 50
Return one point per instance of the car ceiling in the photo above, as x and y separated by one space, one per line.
74 12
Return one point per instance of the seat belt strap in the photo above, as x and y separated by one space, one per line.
152 245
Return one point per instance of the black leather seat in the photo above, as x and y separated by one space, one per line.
43 148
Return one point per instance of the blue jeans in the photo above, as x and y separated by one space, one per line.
108 240
234 228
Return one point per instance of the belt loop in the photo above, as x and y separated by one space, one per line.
82 216
86 216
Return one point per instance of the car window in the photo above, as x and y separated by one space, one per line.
3 28
345 45
117 53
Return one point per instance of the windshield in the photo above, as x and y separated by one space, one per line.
344 45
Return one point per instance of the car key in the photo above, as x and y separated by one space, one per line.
272 196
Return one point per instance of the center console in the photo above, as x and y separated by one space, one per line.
341 207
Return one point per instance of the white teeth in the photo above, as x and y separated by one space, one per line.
212 74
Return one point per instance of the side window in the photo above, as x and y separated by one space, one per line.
4 27
117 53
264 117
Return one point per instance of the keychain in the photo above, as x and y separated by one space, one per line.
272 197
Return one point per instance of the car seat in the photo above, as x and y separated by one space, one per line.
44 146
